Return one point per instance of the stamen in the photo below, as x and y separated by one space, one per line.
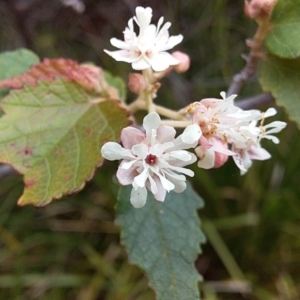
151 159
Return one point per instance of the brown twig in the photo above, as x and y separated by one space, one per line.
255 101
256 45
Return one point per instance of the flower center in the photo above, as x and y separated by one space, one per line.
151 159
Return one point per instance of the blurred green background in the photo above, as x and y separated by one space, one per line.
70 249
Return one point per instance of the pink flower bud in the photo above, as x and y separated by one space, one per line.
259 9
136 83
220 159
184 59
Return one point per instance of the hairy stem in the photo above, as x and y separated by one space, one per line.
256 45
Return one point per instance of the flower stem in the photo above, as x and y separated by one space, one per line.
148 74
178 124
169 113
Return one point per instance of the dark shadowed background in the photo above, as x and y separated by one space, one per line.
70 249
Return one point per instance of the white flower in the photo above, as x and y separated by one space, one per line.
151 160
249 148
223 129
148 49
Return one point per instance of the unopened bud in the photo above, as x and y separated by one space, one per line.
184 59
259 9
220 159
136 83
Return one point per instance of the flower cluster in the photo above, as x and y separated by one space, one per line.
148 48
223 129
216 128
151 160
154 160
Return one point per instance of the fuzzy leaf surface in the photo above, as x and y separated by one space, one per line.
13 63
87 76
52 134
116 82
164 240
284 38
281 77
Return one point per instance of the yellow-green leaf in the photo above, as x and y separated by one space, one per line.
13 63
284 38
52 134
281 77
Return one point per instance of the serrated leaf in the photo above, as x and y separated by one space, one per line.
87 76
164 240
281 77
284 38
116 82
13 63
52 133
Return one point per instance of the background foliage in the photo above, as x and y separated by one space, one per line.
70 249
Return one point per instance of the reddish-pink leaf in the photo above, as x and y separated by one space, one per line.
88 76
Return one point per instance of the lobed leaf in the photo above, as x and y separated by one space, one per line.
52 134
164 240
281 77
284 38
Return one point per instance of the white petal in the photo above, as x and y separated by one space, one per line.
242 160
185 171
138 197
140 150
269 112
161 192
143 16
153 186
119 44
141 179
259 153
172 42
180 185
114 151
159 149
191 134
127 164
181 155
151 121
207 158
168 185
140 64
273 138
162 60
165 133
121 55
126 176
277 126
131 136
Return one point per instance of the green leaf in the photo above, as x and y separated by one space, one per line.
281 77
52 133
13 63
284 38
116 82
164 240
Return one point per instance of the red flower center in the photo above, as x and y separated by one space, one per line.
151 159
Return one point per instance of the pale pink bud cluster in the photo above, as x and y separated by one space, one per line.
222 130
259 9
184 59
137 83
